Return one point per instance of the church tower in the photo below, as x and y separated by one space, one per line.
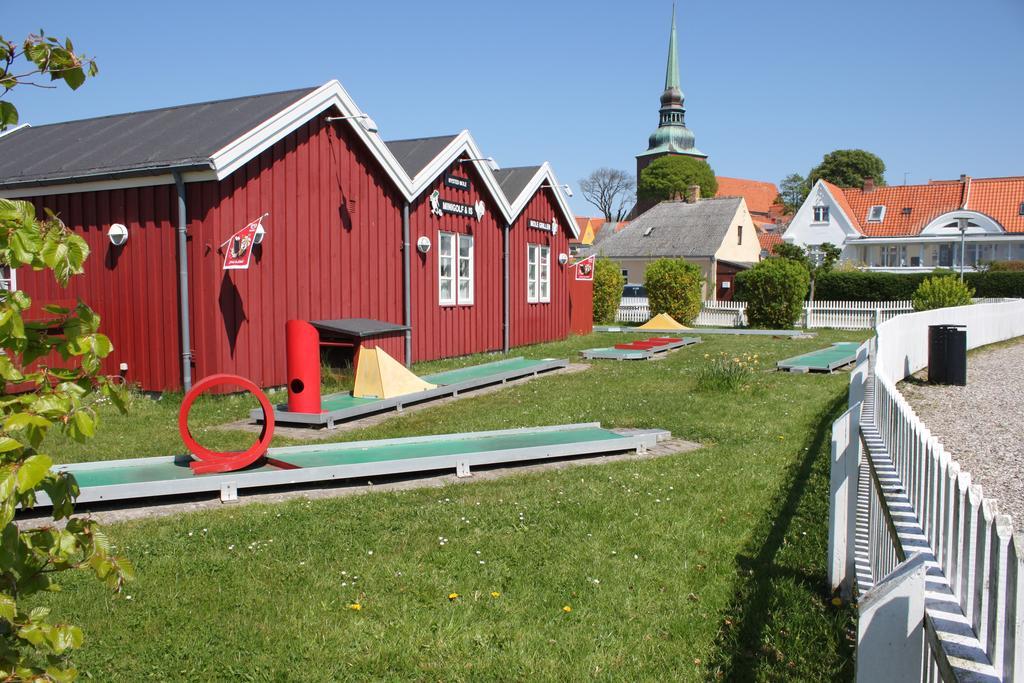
671 137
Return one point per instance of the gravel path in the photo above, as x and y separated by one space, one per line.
982 424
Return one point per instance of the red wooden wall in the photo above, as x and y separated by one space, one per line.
332 250
537 322
133 287
440 331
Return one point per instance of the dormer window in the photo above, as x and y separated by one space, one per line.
876 214
1022 208
907 210
821 214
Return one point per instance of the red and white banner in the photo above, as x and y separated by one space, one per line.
585 268
238 251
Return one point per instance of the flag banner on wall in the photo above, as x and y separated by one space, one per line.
585 268
238 252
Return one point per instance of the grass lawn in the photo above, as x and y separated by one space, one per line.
700 566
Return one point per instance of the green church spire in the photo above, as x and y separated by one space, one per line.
672 68
672 136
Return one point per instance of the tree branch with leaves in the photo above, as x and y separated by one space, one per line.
50 379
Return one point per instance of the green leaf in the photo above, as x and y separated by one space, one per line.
8 607
8 115
32 471
82 426
74 77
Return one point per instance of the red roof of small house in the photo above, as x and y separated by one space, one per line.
998 198
760 195
768 240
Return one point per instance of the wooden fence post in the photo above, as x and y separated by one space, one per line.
842 507
890 626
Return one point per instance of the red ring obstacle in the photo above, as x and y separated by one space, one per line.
225 461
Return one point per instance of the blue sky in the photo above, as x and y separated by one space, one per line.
935 87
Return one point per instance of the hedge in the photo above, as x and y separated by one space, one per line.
875 286
674 287
775 290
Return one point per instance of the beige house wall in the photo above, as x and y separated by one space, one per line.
740 243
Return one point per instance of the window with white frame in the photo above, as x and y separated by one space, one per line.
455 269
538 273
821 214
8 279
877 213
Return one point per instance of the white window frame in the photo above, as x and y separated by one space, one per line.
10 283
454 258
538 285
470 279
824 217
880 209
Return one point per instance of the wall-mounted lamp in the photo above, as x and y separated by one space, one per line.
368 123
564 187
491 163
563 259
117 234
260 233
423 245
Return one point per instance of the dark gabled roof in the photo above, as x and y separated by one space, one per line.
135 143
514 180
414 154
674 229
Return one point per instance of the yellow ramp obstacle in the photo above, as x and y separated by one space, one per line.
662 321
378 375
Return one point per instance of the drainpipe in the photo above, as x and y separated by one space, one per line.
406 285
186 344
504 290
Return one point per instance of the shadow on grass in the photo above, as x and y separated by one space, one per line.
780 623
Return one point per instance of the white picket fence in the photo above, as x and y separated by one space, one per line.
844 315
939 572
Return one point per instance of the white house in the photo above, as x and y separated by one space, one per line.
909 228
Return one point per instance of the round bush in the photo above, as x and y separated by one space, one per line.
674 287
608 284
774 290
942 292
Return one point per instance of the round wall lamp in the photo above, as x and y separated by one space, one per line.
260 233
563 259
423 245
117 234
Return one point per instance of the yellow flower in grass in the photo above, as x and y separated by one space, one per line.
453 596
566 609
495 594
355 606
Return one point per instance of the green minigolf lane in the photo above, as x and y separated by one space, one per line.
840 352
480 371
141 471
342 401
613 353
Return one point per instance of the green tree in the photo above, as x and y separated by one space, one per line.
32 647
608 284
848 168
941 292
818 260
793 191
669 176
774 290
674 287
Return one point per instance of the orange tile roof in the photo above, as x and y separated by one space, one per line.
1000 199
760 195
926 202
841 199
768 240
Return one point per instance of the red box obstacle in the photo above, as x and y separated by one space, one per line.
302 342
645 344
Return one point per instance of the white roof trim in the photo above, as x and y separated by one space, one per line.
545 172
937 226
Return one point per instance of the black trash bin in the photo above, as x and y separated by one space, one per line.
947 354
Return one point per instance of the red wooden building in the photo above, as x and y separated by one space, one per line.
421 233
